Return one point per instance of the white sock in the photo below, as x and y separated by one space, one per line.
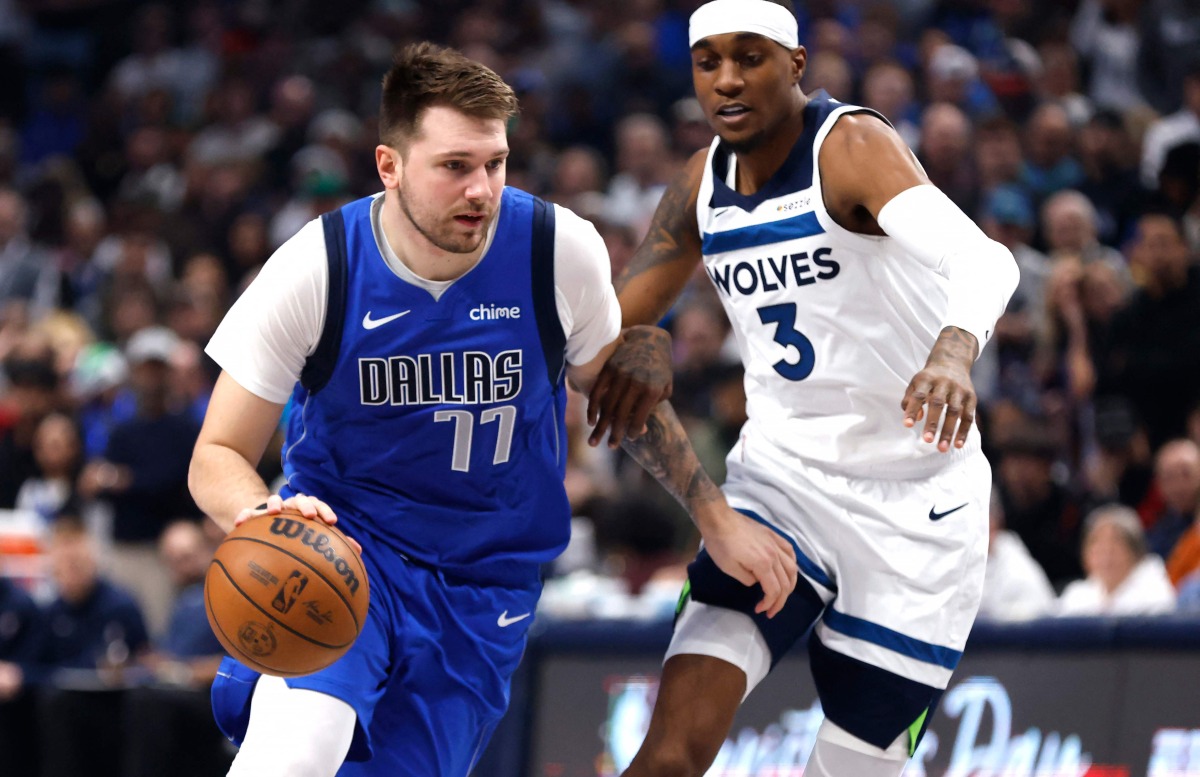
838 753
294 733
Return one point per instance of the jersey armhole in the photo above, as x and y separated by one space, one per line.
318 368
545 306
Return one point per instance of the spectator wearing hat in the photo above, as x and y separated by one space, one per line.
143 473
1122 578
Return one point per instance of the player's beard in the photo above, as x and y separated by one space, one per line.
442 233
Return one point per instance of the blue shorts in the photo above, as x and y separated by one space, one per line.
428 677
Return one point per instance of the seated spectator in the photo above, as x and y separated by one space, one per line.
1014 586
58 451
93 631
1121 577
1152 352
19 632
1072 227
169 727
1177 474
143 473
32 395
1037 506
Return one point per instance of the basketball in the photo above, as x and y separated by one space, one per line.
286 595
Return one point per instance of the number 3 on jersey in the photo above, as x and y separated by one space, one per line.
784 316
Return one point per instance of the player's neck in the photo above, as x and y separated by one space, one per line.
417 253
755 167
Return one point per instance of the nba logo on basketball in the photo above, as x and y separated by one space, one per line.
290 591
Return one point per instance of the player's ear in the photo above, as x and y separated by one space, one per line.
799 57
390 165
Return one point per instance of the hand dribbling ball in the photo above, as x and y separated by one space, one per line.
286 595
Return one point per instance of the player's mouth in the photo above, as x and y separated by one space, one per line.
470 219
732 114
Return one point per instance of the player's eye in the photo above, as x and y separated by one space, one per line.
707 64
454 164
495 164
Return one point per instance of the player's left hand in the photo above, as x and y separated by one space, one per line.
941 392
308 506
635 378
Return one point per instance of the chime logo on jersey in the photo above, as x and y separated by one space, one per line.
466 378
771 274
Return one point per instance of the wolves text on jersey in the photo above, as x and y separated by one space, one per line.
771 274
460 378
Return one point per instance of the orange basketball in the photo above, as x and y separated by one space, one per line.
286 595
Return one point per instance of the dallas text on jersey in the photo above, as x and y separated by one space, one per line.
466 378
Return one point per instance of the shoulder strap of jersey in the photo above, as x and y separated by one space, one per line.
545 307
318 369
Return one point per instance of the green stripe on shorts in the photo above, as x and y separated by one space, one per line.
914 732
683 595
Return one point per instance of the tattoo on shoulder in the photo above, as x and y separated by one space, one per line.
672 231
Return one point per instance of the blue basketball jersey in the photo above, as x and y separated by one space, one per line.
440 431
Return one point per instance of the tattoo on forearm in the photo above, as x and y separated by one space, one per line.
665 452
954 344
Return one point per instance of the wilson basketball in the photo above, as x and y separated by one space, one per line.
286 595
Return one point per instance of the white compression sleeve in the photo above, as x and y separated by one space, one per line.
294 733
982 273
839 753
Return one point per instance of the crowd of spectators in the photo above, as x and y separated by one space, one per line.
152 156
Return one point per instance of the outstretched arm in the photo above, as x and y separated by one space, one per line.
898 200
638 376
741 547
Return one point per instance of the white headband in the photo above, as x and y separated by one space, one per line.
758 16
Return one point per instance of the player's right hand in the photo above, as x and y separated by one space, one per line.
750 552
308 506
634 380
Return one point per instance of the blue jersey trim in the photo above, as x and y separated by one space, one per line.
807 565
903 644
804 225
319 367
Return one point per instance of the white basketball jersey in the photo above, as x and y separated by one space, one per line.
831 324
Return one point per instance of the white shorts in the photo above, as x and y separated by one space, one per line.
897 564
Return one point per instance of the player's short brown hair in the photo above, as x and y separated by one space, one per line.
424 75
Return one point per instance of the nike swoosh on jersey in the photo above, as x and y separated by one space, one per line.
936 516
504 621
371 323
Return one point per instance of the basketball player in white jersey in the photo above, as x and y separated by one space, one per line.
859 297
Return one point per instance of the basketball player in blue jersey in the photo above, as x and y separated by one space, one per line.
859 297
421 337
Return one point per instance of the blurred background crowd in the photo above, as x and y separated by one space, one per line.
153 156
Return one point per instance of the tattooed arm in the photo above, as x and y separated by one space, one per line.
944 385
741 547
638 376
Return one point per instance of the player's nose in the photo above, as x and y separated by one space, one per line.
479 185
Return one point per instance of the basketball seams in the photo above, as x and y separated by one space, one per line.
229 643
259 607
317 572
